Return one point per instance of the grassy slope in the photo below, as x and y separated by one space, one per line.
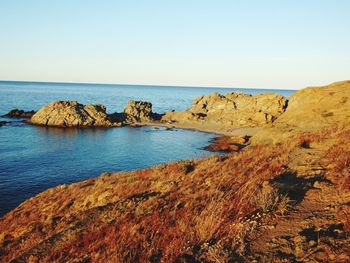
265 203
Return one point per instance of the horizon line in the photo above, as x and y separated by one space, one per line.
147 85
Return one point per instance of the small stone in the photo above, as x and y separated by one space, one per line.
312 243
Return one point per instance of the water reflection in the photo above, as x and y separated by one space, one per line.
65 133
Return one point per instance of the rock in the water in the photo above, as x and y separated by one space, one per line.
16 113
234 109
138 111
73 114
2 123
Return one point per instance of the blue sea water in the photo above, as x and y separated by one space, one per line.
33 158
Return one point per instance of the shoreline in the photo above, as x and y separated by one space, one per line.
249 131
206 128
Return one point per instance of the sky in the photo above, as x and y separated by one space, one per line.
285 44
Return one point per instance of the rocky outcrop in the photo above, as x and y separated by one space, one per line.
310 109
233 109
73 114
16 113
138 111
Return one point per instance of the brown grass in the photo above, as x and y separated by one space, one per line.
183 210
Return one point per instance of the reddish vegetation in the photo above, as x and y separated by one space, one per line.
227 144
278 203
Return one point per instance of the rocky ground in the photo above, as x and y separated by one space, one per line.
282 195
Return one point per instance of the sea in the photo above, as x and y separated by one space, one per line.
33 159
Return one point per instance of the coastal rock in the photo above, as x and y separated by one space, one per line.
2 123
16 113
310 109
72 114
232 109
139 111
212 103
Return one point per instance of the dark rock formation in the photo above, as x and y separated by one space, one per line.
2 123
16 113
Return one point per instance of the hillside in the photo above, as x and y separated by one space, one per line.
286 201
283 202
310 109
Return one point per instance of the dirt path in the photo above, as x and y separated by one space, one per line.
310 232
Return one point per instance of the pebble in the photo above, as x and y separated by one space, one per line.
312 243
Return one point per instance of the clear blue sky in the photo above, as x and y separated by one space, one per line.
240 43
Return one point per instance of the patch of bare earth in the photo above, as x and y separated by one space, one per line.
316 226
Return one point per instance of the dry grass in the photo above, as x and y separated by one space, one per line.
271 200
183 210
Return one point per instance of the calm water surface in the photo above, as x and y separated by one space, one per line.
33 159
